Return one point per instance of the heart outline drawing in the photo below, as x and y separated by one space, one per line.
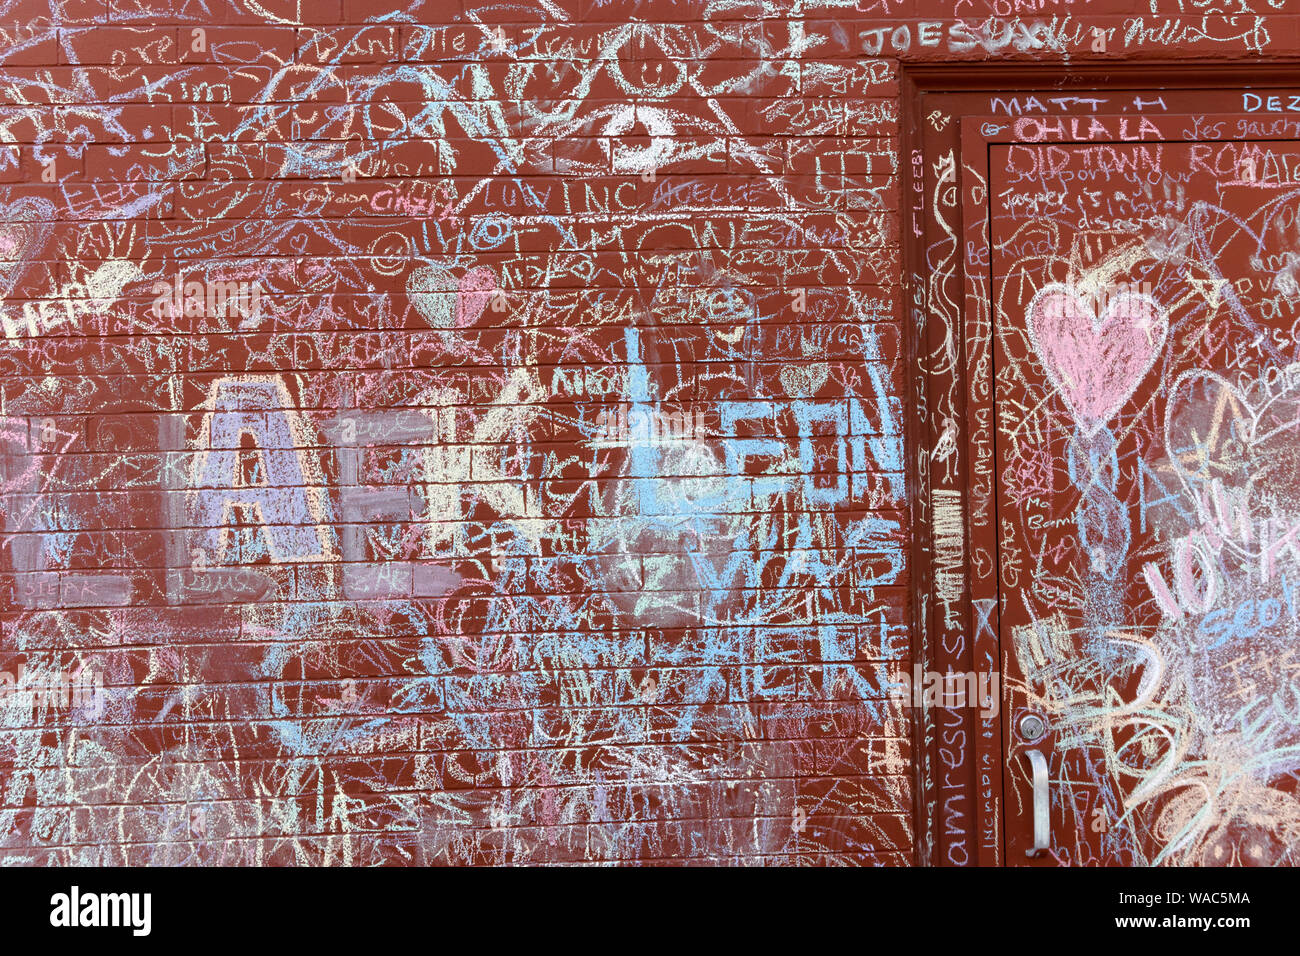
1095 362
1264 429
25 224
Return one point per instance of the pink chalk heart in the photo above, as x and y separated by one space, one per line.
1095 362
477 287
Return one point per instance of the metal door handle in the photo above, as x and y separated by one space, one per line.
1042 803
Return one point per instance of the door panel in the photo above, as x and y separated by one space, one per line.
1144 299
960 749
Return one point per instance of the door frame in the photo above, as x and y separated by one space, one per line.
983 826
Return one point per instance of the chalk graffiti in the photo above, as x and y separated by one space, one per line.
1153 556
436 472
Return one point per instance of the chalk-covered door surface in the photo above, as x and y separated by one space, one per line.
1143 304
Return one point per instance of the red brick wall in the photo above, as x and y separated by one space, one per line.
435 434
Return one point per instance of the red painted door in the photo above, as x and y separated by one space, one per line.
1143 303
